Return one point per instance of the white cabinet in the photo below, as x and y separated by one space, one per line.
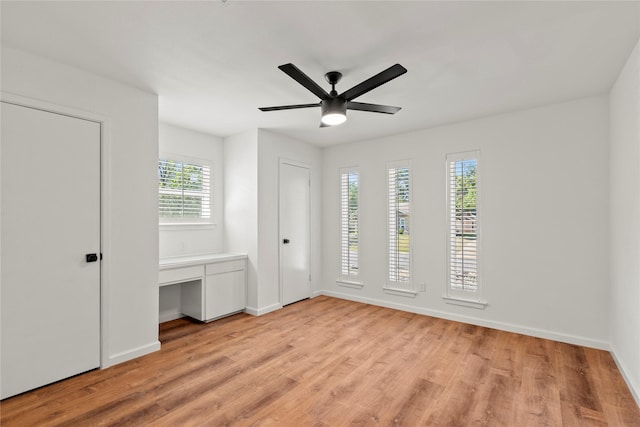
222 292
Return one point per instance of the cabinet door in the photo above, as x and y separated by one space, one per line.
224 294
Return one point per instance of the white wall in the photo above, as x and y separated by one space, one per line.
272 147
130 265
252 162
544 219
184 240
625 220
241 204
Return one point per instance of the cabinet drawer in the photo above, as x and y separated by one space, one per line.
225 267
175 275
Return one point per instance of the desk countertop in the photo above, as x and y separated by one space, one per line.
185 261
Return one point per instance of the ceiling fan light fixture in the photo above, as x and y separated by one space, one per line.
334 111
334 119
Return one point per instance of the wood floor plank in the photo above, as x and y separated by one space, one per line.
576 416
539 398
579 389
415 404
331 362
611 388
496 407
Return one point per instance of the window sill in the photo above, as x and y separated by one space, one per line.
186 226
465 302
400 292
349 283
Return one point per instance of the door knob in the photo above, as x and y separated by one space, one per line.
285 241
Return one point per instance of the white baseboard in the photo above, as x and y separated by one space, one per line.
635 389
539 333
132 354
165 317
263 310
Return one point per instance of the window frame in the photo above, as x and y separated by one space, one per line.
189 222
469 298
405 288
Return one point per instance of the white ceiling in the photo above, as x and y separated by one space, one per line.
213 64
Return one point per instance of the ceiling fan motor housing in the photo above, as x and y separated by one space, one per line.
335 106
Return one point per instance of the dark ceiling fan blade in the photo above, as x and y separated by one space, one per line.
373 82
289 107
297 75
374 108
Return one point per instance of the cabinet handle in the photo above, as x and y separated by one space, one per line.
285 241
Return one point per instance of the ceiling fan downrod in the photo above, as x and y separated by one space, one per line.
333 77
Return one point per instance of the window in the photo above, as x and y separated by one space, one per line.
184 191
399 226
349 185
463 199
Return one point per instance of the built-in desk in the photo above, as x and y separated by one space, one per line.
211 285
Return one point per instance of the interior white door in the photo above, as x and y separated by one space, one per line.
295 233
50 309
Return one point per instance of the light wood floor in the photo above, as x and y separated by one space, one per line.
330 362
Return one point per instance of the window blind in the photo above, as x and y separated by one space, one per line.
463 223
349 183
184 191
399 226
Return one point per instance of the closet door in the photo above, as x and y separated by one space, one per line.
50 226
295 233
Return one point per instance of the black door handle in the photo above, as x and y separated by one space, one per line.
285 241
92 257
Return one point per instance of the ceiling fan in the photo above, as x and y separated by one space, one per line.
334 107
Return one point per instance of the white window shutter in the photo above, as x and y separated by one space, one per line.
184 191
349 223
399 225
463 224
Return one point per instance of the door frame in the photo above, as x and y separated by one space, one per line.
295 163
105 201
